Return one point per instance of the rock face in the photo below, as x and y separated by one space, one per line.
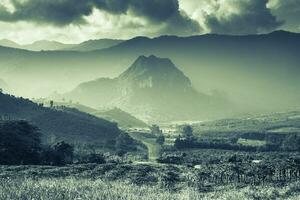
152 89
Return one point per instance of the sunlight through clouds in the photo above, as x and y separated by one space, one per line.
132 18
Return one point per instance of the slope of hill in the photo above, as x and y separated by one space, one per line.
247 68
42 45
9 43
3 85
124 119
277 122
65 124
153 89
45 45
92 45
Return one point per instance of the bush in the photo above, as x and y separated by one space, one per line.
160 139
19 143
94 158
291 143
60 154
124 144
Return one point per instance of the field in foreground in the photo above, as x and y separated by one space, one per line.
87 182
81 188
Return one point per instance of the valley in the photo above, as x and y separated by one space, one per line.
200 117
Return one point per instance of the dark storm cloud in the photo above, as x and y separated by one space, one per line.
252 16
64 12
289 11
58 12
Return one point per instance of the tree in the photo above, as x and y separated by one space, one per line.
291 143
160 139
124 144
19 143
155 130
187 131
51 104
63 153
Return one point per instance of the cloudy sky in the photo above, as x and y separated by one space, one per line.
73 21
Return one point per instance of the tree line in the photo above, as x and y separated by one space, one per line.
21 144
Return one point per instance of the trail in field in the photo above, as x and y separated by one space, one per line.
153 147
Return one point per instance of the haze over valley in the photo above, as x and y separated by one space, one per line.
256 72
150 99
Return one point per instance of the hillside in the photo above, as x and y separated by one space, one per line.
153 89
273 123
92 45
66 124
124 119
3 85
42 45
9 43
45 45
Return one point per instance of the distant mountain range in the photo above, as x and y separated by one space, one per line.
56 124
92 45
9 43
36 46
153 89
258 72
45 45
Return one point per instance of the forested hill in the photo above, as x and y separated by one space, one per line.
70 125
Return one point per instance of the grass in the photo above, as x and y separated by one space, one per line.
87 189
253 143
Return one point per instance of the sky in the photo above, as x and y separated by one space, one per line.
74 21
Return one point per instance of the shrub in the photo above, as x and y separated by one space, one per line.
19 143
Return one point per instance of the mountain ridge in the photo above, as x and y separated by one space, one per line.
152 89
244 67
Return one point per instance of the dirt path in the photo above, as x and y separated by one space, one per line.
153 147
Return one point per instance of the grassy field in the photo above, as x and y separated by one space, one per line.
253 143
127 182
87 189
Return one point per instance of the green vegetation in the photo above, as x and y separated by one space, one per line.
130 182
87 189
244 155
20 143
253 143
59 124
122 118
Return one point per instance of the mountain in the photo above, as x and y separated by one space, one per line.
92 45
152 88
124 119
59 123
3 84
42 45
9 43
45 45
258 72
